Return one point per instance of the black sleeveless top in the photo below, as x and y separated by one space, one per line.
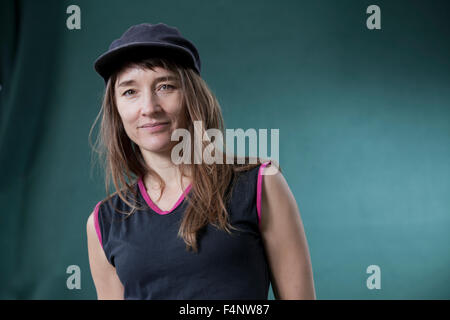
152 262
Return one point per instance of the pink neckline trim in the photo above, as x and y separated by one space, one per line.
153 206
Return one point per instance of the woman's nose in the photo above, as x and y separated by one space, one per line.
150 103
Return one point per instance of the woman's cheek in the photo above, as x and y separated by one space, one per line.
129 113
129 119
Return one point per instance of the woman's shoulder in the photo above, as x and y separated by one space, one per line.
270 167
270 172
273 186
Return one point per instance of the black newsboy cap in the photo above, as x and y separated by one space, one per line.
148 40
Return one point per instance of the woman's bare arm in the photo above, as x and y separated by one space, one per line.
285 241
106 281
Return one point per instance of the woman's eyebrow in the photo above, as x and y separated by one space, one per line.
126 83
157 80
165 78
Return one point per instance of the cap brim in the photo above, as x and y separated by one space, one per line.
110 61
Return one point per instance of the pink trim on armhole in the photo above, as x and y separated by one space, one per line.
97 226
259 190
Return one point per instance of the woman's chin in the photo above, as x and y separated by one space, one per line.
157 146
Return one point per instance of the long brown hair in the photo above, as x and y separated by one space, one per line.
123 162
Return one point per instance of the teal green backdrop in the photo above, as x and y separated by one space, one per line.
364 120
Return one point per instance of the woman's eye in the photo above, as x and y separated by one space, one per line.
128 92
166 87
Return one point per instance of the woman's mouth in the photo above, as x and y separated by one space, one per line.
155 128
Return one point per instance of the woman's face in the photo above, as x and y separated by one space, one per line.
145 97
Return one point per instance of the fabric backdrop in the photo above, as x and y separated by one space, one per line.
364 120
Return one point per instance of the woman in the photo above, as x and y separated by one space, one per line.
184 230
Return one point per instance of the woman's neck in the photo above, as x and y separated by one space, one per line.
170 173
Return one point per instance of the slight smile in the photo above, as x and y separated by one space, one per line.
154 127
